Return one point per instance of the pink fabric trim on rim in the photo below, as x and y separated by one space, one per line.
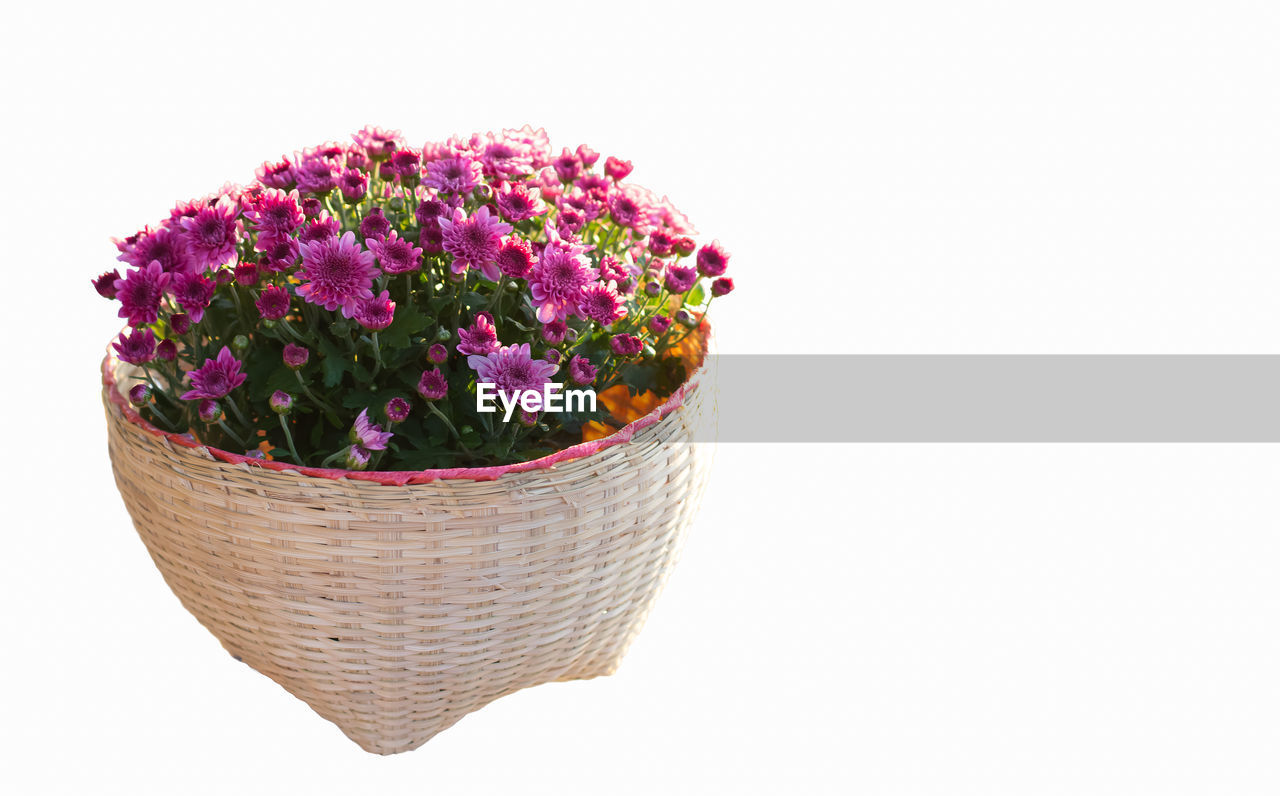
403 477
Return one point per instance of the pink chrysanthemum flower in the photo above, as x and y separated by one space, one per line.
376 313
554 332
713 260
567 165
587 156
179 323
165 246
662 243
480 339
193 292
397 410
512 370
611 270
374 225
273 303
659 324
378 144
538 141
617 169
316 173
558 278
569 222
433 386
722 286
215 377
516 257
474 241
277 175
680 278
336 274
140 293
581 371
247 274
517 201
600 302
505 158
138 348
369 435
395 254
626 345
406 163
322 227
354 184
457 175
167 350
275 213
295 356
588 206
624 211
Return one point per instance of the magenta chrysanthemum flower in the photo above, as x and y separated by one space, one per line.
433 386
138 348
376 313
516 257
555 332
273 303
516 202
397 410
722 286
479 339
680 278
374 225
558 278
395 254
512 370
193 292
247 274
322 227
140 293
276 175
274 214
316 174
581 371
587 206
611 270
165 246
336 274
406 164
626 345
569 222
179 323
616 169
215 378
437 354
474 241
369 435
295 356
601 303
354 184
659 324
166 350
713 260
106 284
457 175
378 144
623 210
567 165
212 233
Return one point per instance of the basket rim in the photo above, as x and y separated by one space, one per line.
579 451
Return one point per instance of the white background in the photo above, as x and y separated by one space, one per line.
891 177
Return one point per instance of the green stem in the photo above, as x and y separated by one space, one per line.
288 435
227 430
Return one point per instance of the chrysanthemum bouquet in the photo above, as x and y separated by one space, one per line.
345 308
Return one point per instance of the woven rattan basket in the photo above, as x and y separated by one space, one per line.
395 609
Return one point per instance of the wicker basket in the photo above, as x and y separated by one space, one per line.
395 609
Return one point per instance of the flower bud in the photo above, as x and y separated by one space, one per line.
722 286
552 356
437 354
482 193
166 351
357 458
685 246
281 402
571 335
247 274
295 356
397 410
209 411
240 344
311 207
444 335
685 318
224 276
140 394
180 323
652 289
528 419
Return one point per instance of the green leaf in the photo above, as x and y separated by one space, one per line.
408 321
334 361
696 296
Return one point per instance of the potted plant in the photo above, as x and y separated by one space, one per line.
406 428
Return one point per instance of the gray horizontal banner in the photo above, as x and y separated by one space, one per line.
996 398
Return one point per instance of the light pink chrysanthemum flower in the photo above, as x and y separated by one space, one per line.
505 158
480 338
275 213
378 144
538 141
433 386
588 206
558 278
336 273
456 175
140 293
277 175
474 241
395 254
215 377
601 303
212 233
512 370
369 435
517 201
